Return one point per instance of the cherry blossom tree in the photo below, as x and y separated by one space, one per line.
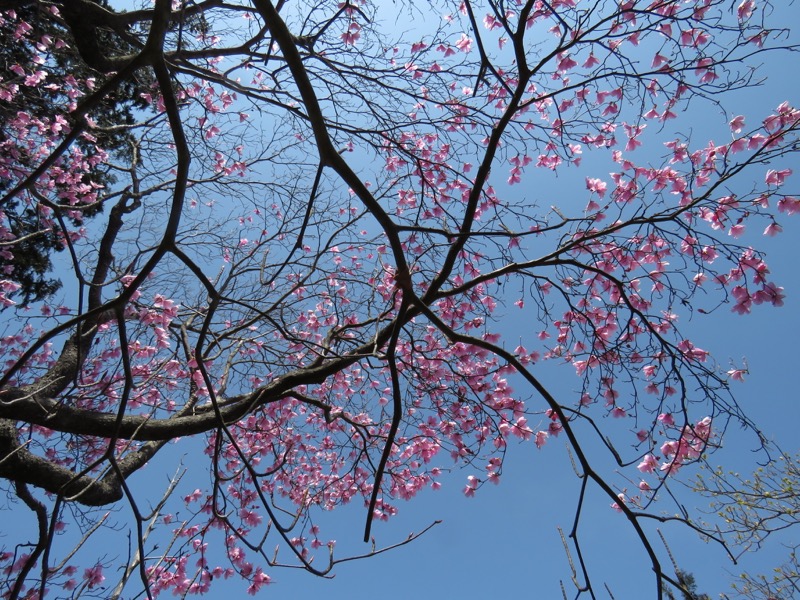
326 265
29 265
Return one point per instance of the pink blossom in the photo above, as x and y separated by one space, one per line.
490 22
472 485
447 50
659 60
789 205
769 293
35 78
777 177
464 43
737 124
737 374
703 428
258 580
566 62
250 517
709 254
94 576
352 35
648 464
670 467
669 448
745 9
666 420
591 61
736 230
596 185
